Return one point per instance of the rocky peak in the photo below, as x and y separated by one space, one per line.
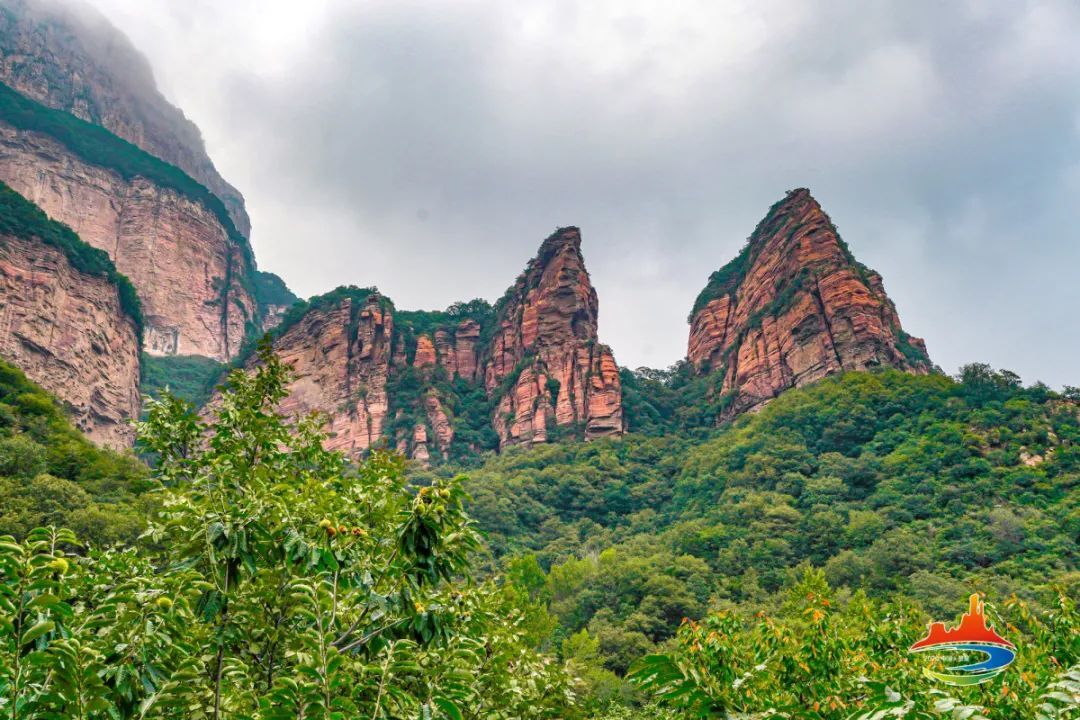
791 308
528 370
546 334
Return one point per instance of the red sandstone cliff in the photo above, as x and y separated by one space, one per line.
545 345
341 358
67 330
793 307
531 368
66 55
175 251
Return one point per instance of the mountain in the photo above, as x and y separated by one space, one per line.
67 56
545 345
793 307
168 234
527 371
69 320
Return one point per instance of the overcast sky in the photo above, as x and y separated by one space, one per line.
429 147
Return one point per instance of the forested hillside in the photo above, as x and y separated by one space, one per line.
778 566
51 474
896 485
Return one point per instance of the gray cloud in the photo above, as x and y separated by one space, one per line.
428 147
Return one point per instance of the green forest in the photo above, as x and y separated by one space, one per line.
776 566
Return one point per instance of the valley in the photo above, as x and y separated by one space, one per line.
222 500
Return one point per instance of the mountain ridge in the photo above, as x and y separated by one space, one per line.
473 378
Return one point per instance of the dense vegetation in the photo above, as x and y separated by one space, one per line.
427 322
899 486
270 289
678 399
825 656
188 377
97 146
50 473
22 219
807 544
276 583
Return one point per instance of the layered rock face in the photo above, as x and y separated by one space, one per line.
341 358
175 251
793 307
546 336
67 331
64 54
531 370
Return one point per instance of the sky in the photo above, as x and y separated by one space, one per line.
429 147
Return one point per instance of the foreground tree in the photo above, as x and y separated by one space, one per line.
277 582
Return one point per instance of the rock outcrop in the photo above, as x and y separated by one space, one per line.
341 359
545 346
189 274
273 298
793 307
528 371
68 330
68 56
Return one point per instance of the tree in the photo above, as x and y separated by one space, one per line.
276 582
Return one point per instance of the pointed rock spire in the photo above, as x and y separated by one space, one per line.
793 307
546 334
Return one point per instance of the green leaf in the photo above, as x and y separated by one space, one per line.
37 631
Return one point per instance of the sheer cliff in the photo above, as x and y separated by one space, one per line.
169 235
69 320
68 56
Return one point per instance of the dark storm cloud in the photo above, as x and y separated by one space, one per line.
428 148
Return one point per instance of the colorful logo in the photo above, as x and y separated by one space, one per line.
971 635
